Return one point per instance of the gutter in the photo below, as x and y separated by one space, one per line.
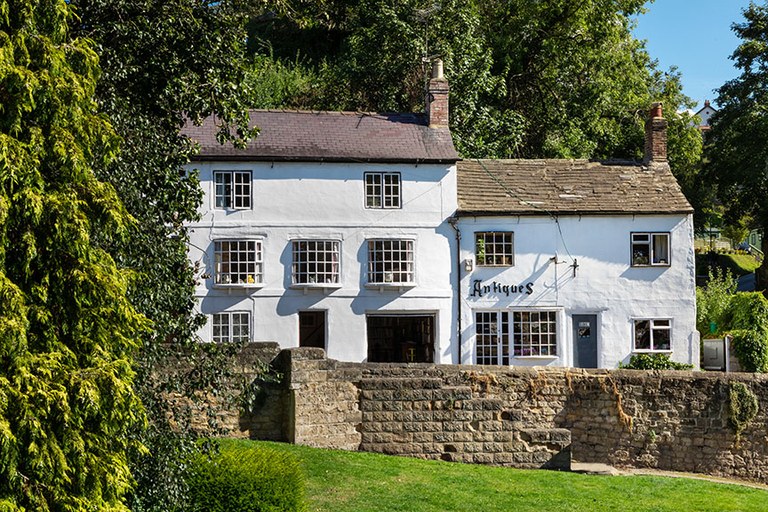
453 222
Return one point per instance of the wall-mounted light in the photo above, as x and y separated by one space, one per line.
468 264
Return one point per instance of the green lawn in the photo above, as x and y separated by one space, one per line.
358 482
738 264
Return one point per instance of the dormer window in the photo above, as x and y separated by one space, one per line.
382 190
232 190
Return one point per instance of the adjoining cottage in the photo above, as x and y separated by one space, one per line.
574 262
347 231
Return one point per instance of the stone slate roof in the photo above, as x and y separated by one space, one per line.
331 137
577 187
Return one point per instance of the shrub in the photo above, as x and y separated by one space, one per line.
748 310
654 362
751 348
713 299
742 406
246 478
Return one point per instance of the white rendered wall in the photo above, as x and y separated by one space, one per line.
327 201
604 284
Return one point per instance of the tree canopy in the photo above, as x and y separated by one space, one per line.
554 78
67 330
737 145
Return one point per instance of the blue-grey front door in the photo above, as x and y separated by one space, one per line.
585 341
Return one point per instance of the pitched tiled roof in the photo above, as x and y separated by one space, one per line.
539 187
331 136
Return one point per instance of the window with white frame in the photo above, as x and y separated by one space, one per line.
653 334
492 337
231 327
534 333
315 262
382 190
650 249
495 248
238 262
502 334
232 190
390 262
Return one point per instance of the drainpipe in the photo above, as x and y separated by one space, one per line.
453 222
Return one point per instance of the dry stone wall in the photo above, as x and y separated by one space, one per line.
521 417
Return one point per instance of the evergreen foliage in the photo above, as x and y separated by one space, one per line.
67 331
654 362
247 478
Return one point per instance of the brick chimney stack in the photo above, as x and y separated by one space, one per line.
437 97
655 136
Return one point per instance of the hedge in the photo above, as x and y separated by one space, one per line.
247 478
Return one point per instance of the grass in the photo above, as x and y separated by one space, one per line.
738 264
339 481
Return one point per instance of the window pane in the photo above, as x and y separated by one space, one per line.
661 249
494 248
223 193
642 334
641 254
315 262
238 262
382 190
662 339
535 333
390 261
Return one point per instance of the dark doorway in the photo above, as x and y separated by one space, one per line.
401 339
312 329
585 341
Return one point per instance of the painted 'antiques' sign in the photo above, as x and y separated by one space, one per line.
480 289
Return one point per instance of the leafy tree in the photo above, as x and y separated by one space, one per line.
164 62
67 331
737 145
554 78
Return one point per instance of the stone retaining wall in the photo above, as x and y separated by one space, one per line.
521 417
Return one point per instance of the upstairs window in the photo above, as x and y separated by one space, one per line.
390 262
650 249
238 262
233 190
653 335
234 327
315 262
495 249
382 190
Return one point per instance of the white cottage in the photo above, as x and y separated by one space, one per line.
346 231
574 262
331 230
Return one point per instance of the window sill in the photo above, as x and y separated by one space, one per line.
237 286
657 265
536 357
649 351
306 287
389 286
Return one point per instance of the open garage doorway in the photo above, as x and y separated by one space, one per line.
401 338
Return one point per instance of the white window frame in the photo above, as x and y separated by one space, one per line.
238 263
648 239
499 333
383 190
654 325
382 262
236 198
225 322
495 253
321 261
